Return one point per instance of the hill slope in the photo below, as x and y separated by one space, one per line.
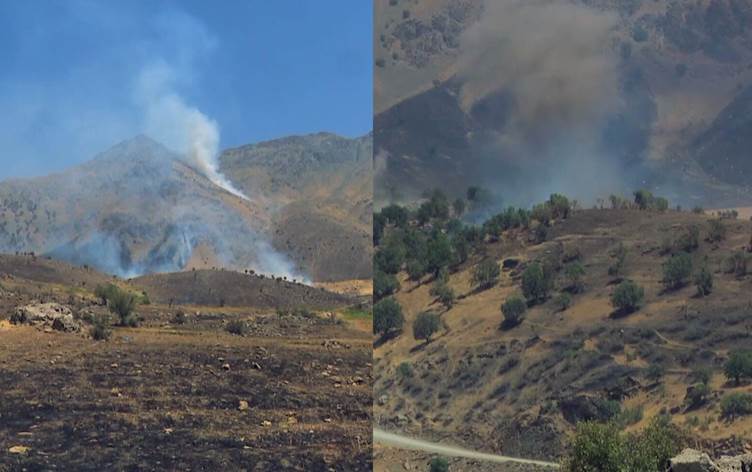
520 390
318 191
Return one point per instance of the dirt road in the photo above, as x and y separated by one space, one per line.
395 440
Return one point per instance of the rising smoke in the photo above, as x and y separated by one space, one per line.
181 127
553 63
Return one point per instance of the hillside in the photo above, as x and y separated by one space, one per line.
138 208
318 192
454 104
519 390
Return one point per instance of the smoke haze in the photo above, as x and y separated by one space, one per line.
552 63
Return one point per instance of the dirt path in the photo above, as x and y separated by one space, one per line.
395 440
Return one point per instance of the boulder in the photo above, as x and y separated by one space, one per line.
47 315
690 460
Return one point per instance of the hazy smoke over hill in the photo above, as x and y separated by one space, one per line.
552 64
183 128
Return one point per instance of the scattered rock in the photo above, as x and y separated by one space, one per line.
226 366
19 450
243 406
47 316
690 460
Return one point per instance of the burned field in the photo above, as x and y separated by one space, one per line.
288 391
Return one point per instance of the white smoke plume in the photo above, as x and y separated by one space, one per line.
181 127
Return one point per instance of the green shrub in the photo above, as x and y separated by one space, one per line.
536 283
105 292
736 404
405 370
416 268
439 464
562 301
654 372
425 325
122 304
701 375
627 297
704 281
717 231
575 273
620 258
697 395
677 270
513 310
689 240
100 329
486 274
738 366
387 317
444 293
736 264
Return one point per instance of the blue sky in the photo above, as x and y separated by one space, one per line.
72 72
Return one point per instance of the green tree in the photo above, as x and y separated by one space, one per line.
643 199
513 310
560 206
738 366
444 293
486 274
627 297
390 257
677 270
387 317
536 283
384 284
425 325
105 292
439 252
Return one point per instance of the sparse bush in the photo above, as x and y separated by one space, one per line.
697 395
513 310
736 404
122 304
237 327
698 210
444 293
704 281
654 372
384 284
458 206
738 366
541 234
425 325
405 370
575 273
536 283
486 274
736 264
387 317
100 329
105 292
701 375
560 206
562 301
676 271
620 258
439 464
628 297
689 240
717 231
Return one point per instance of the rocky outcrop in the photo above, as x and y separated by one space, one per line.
47 315
691 460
